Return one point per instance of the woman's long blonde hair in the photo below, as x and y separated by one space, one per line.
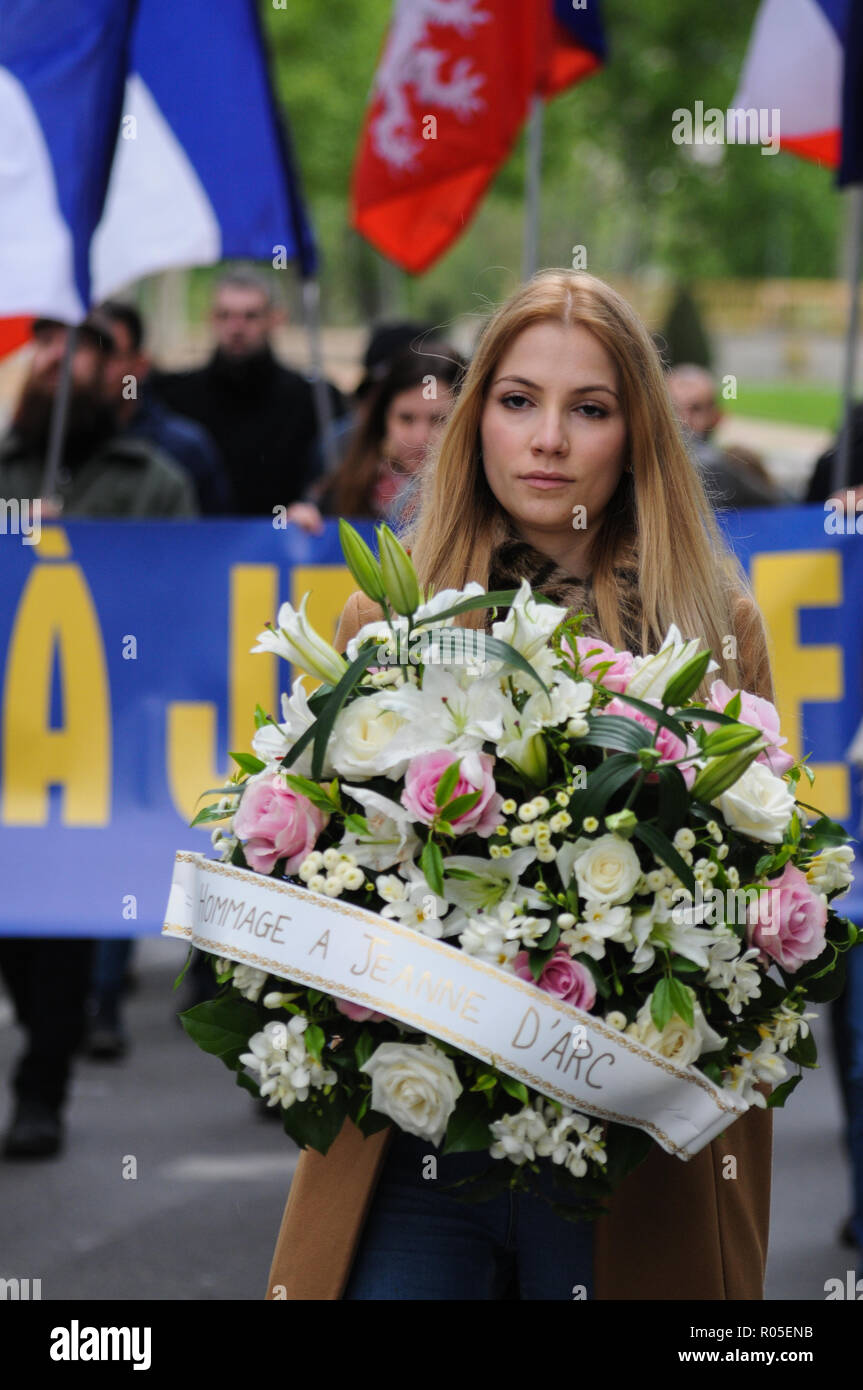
659 512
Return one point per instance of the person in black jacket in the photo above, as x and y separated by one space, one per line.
260 413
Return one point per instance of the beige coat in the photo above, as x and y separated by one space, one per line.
674 1230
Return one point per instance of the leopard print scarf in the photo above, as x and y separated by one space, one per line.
515 559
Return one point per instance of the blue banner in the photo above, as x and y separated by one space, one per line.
127 676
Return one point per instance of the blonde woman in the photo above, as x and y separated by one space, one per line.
561 461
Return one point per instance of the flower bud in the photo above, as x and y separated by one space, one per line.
361 562
399 576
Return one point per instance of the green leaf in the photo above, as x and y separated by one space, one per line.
661 1006
734 706
186 964
315 1123
673 797
357 823
261 717
468 1125
222 1027
681 1001
516 1089
495 598
248 762
208 814
484 1082
616 731
314 1039
687 679
322 728
664 850
431 863
667 721
313 791
364 1047
778 1097
602 783
446 784
462 804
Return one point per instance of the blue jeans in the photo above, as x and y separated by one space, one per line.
419 1242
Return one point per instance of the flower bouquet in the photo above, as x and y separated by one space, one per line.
512 890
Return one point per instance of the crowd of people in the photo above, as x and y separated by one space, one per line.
239 435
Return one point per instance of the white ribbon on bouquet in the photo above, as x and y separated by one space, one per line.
435 988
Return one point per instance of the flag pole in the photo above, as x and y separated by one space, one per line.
59 415
311 313
841 469
532 187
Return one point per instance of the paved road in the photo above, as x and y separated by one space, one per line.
200 1219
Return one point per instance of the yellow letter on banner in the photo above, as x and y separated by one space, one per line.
56 614
194 762
784 582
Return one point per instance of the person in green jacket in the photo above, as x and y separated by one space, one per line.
102 473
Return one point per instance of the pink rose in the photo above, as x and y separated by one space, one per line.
276 822
668 745
562 976
788 923
358 1012
617 676
475 774
761 714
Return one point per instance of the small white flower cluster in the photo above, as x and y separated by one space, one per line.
499 935
286 1071
830 870
539 1131
731 970
222 841
767 1061
342 871
249 981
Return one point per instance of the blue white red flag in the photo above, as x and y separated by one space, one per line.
134 138
805 59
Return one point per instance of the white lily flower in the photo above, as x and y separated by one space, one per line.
453 710
297 641
391 839
493 881
651 674
272 741
527 627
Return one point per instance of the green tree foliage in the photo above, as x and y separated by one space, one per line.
614 181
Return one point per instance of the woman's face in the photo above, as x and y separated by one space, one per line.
553 432
411 423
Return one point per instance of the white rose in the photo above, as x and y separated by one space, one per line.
416 1085
758 804
677 1041
361 738
606 868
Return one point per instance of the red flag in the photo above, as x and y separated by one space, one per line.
451 92
14 332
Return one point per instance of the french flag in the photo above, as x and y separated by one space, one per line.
135 137
805 59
